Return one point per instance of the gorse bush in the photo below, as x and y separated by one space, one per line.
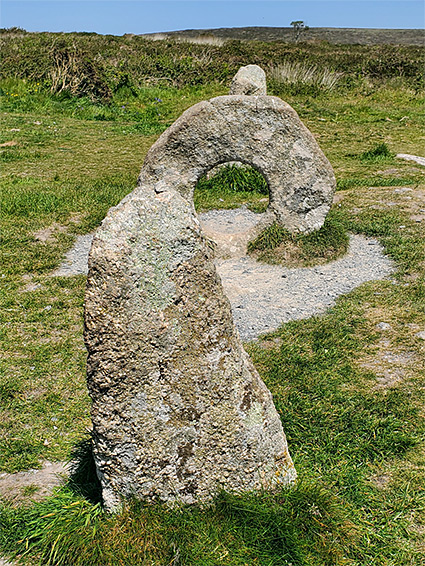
76 71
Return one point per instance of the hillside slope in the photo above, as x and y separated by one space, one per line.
361 36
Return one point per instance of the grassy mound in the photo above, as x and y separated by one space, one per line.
276 245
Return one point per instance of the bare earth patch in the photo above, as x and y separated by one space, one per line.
47 234
380 480
414 204
30 286
33 485
390 364
410 200
9 144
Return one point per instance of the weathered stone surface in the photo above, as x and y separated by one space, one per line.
261 131
249 80
178 408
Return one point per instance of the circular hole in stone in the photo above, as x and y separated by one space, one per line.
232 185
231 200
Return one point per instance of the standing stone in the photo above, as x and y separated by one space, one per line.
179 410
250 80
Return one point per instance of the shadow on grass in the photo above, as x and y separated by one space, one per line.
83 478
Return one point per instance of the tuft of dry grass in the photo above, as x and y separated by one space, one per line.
300 73
202 39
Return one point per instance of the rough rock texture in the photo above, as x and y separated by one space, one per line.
249 80
178 408
261 131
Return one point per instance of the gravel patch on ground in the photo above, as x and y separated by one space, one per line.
76 259
265 296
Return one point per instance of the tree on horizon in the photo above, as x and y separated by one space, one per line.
299 27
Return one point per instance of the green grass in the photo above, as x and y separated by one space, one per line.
294 526
378 153
148 110
230 187
355 436
351 182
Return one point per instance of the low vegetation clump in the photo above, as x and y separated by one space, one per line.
275 244
79 112
381 152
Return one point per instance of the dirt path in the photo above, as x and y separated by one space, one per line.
265 296
32 484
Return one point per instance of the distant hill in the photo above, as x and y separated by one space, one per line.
359 36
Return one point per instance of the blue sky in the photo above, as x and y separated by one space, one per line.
139 16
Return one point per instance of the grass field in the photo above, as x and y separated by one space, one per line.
351 396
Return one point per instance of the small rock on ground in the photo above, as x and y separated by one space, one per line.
383 326
415 158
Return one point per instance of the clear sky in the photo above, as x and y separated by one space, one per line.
139 16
